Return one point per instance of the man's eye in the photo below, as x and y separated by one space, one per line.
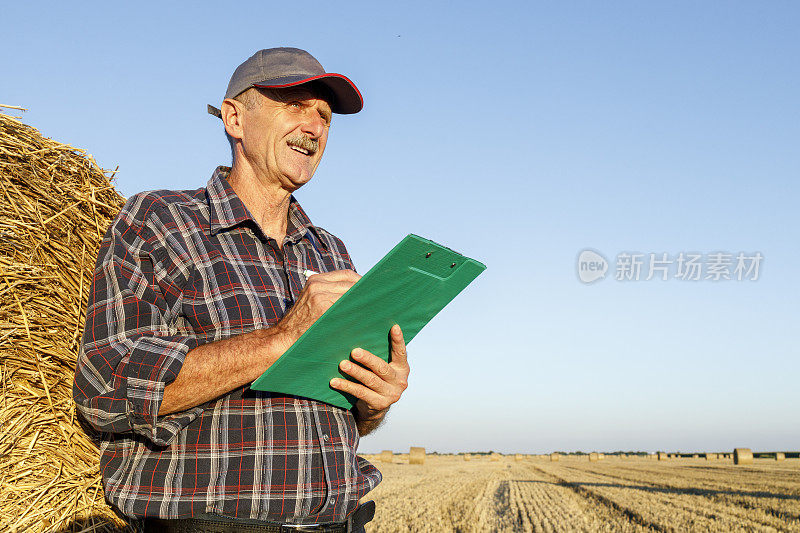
295 104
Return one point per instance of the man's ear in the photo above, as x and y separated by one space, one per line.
232 115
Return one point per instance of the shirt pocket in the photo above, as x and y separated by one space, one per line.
229 296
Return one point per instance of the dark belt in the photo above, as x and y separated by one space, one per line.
221 524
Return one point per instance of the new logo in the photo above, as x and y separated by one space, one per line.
591 266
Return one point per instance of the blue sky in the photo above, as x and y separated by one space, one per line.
518 134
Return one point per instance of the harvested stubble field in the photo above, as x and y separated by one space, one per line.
573 494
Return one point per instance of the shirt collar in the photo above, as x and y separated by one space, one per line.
298 224
227 210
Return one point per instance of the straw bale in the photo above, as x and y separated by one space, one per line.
416 455
55 205
494 457
467 457
554 457
387 456
518 457
662 456
711 456
594 457
780 456
742 456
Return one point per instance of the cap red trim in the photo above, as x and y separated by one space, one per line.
312 78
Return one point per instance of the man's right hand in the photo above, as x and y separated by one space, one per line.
320 292
216 368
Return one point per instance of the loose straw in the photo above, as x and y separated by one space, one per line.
55 203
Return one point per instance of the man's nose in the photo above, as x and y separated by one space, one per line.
313 125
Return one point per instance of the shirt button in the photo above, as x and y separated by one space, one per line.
326 438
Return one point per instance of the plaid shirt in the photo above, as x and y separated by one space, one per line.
178 269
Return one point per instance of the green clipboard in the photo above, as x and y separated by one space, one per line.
409 286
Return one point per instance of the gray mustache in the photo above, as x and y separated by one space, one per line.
304 142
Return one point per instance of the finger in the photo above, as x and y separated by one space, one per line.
367 378
336 275
399 354
336 288
373 362
321 295
370 397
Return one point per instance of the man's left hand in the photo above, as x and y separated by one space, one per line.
380 383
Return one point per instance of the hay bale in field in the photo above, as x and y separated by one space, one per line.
696 456
467 457
601 456
742 456
711 456
662 456
495 457
387 456
416 456
593 457
554 457
55 205
518 457
780 456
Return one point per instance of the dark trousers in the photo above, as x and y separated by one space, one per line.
222 524
168 526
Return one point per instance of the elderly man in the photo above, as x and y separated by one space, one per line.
195 294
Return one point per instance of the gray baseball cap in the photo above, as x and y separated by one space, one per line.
275 68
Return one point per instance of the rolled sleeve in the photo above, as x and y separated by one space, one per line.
154 363
132 348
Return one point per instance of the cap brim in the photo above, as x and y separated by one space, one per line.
348 97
